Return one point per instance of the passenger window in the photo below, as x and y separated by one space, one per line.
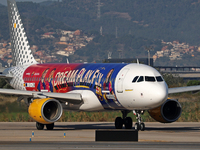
159 79
150 79
135 79
141 79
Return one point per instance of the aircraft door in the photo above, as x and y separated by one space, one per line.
120 80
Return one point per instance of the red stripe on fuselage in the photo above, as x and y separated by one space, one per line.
49 77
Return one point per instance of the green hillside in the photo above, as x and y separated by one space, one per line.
137 24
164 19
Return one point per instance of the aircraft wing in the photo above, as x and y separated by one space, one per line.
74 98
183 89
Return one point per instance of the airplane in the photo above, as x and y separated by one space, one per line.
48 89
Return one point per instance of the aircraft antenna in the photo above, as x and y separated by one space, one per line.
67 60
138 61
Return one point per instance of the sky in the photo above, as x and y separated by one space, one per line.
4 2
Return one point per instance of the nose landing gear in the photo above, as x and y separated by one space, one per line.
139 125
127 121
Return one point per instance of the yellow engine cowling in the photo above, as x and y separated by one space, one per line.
45 111
168 112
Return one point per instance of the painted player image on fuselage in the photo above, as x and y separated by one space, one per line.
62 78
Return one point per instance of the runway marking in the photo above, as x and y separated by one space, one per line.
142 140
98 148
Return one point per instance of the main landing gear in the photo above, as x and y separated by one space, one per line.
127 121
40 126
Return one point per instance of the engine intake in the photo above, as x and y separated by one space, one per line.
168 112
45 111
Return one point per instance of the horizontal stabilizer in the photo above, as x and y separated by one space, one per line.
5 76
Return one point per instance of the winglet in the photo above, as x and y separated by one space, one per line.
21 52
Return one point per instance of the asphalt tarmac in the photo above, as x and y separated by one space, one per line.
81 135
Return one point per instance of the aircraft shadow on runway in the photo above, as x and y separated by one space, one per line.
174 129
85 126
111 126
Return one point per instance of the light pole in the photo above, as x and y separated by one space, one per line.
148 49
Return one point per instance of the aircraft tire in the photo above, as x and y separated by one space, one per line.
118 123
50 126
128 123
39 126
137 126
142 126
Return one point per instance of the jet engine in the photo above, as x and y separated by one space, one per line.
168 112
45 111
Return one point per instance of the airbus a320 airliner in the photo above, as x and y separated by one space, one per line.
50 88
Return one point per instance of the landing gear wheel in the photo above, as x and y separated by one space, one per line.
50 126
137 126
142 126
39 126
128 123
118 123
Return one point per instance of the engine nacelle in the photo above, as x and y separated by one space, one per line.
45 111
168 112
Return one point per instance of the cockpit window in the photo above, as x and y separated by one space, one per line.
150 79
141 79
135 79
159 79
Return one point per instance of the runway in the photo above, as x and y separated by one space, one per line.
81 135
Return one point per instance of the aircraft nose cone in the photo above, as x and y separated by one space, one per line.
161 94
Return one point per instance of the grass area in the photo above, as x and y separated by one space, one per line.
12 111
97 116
190 106
4 99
